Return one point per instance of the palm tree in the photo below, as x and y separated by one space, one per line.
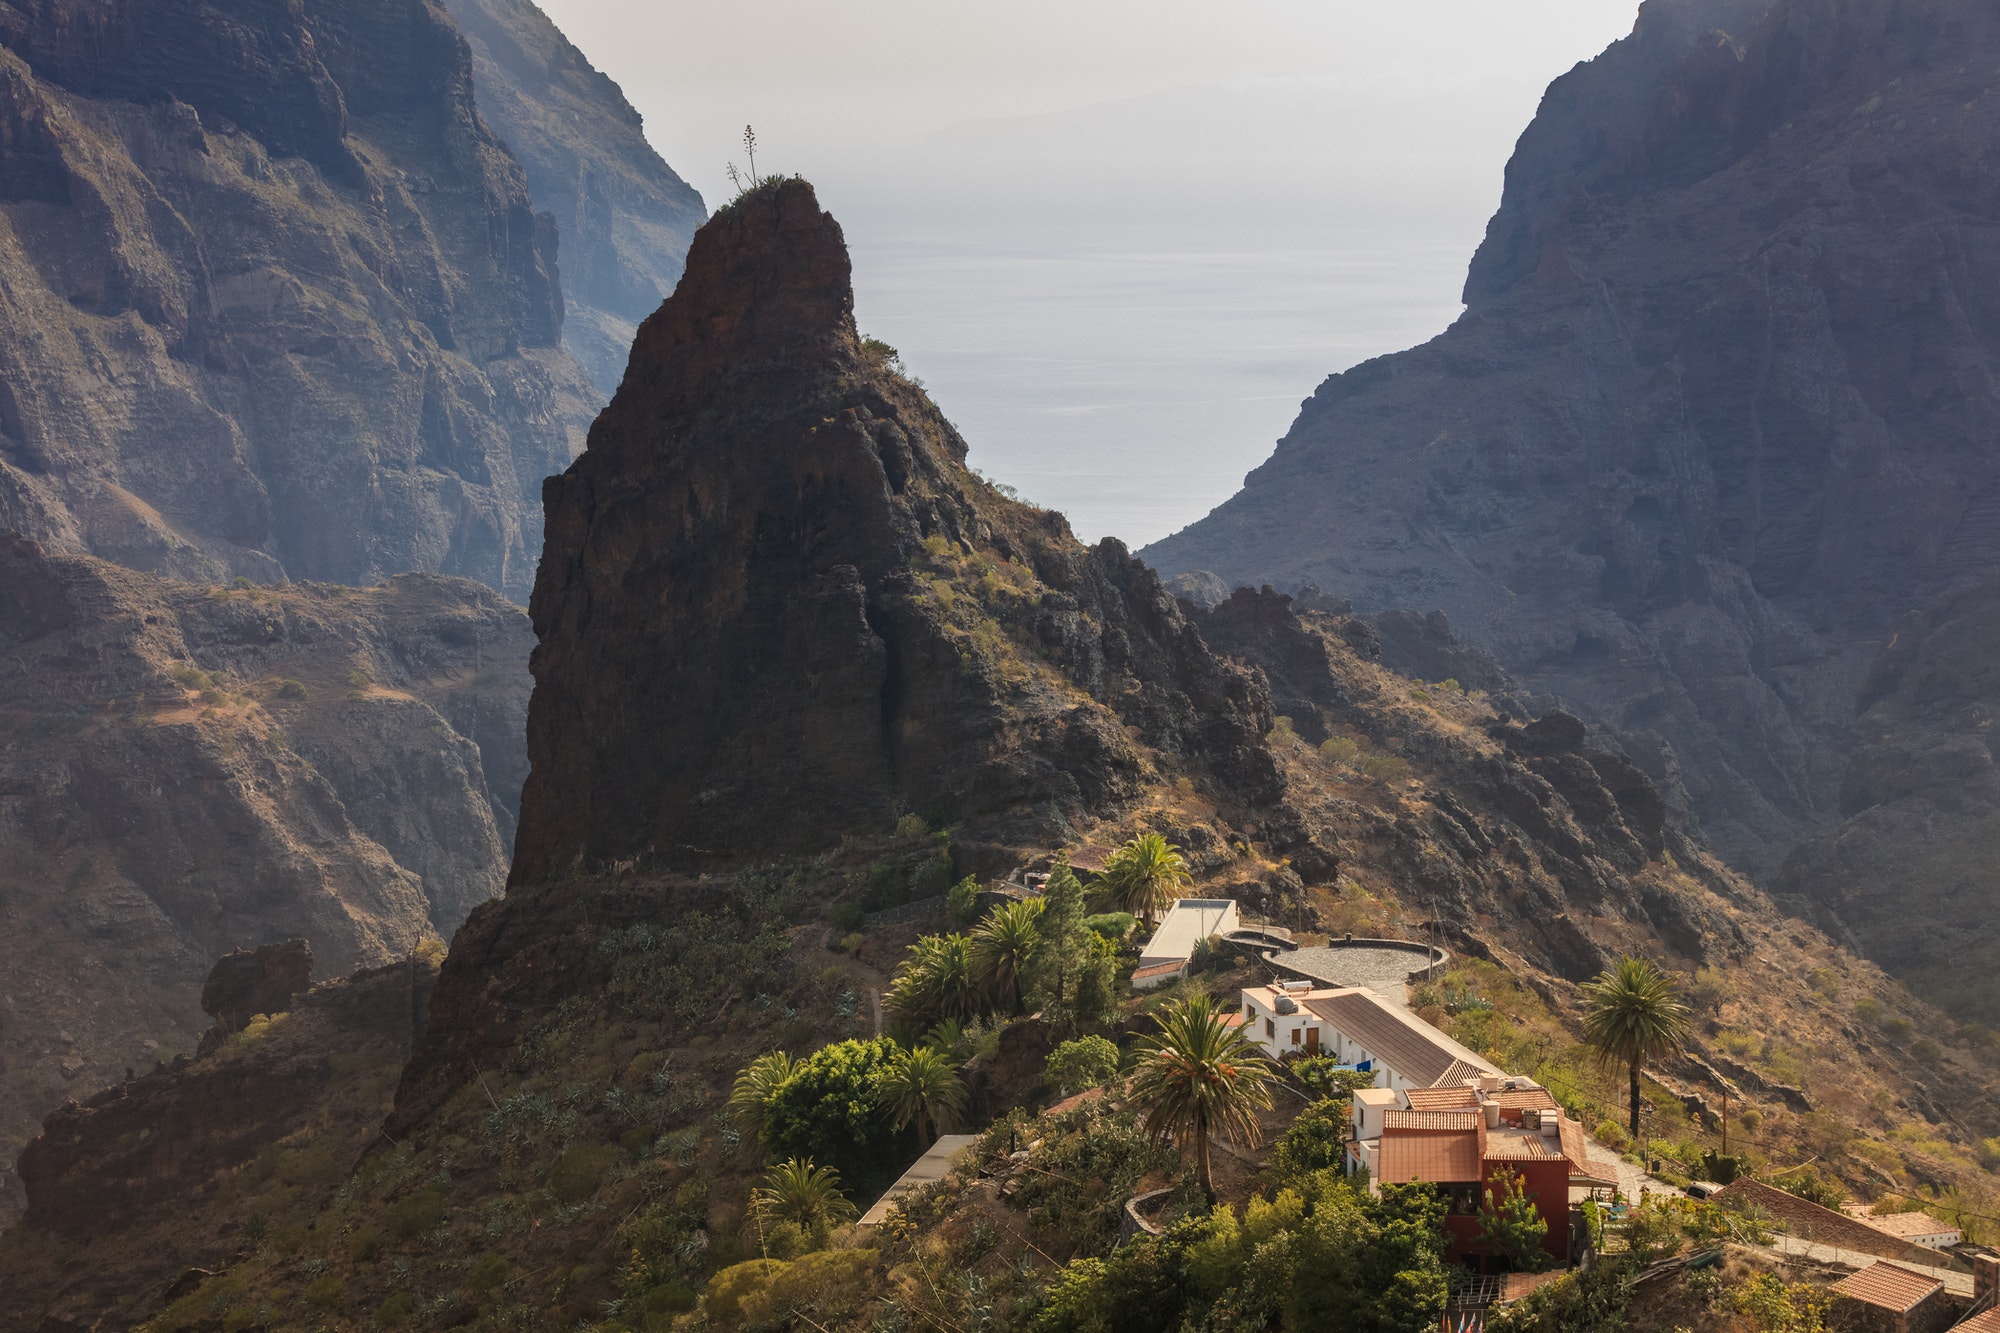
936 982
922 1085
754 1086
1144 876
1004 946
1197 1075
797 1191
1633 1013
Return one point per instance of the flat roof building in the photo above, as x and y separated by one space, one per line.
1189 921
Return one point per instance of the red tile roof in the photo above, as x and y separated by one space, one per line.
1574 1146
1888 1287
1441 1099
1521 1148
1159 969
1988 1322
1525 1099
1448 1121
1441 1159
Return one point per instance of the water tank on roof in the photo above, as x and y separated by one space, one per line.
1286 1005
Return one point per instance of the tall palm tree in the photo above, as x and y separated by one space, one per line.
936 982
754 1086
1632 1014
795 1190
1004 946
1198 1074
1144 876
921 1084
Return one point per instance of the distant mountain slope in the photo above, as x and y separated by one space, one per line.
1722 406
625 218
273 299
185 769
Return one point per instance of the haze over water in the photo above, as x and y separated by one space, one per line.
1119 240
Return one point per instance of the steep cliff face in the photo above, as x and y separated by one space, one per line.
275 298
1718 413
202 1163
624 216
188 769
1912 870
775 607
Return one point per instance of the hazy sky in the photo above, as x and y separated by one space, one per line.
1119 240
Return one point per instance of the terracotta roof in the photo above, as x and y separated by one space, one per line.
1445 1121
1525 1099
1908 1226
1809 1221
1888 1287
1441 1159
1441 1099
1157 969
1987 1322
1574 1146
1522 1147
1234 1018
1401 1040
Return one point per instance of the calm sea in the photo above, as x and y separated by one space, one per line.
1129 376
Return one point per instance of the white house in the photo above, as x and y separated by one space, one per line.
1165 957
1355 1026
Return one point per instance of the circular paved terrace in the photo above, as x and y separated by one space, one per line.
1381 966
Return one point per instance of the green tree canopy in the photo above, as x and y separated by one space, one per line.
828 1109
1073 976
921 1084
1510 1226
1633 1013
1197 1075
1144 877
936 982
1087 1062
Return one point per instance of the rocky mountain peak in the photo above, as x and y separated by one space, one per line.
775 606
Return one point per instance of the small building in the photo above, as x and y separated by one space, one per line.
1355 1026
1887 1298
1189 921
933 1165
1916 1228
1462 1139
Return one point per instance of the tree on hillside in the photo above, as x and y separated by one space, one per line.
797 1191
1073 976
828 1110
1003 950
1510 1226
936 982
754 1086
921 1085
1144 877
1197 1075
1632 1014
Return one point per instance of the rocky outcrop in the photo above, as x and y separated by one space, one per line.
273 299
186 769
193 1166
1716 416
624 217
1911 872
247 982
776 608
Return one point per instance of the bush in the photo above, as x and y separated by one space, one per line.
578 1172
417 1213
961 902
1113 926
1612 1135
489 1272
364 1243
1750 1119
1087 1062
1315 1141
291 689
826 1110
1809 1185
395 1311
1590 1301
1780 1307
325 1293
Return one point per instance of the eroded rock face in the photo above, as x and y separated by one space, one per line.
187 770
275 299
1719 412
776 607
247 982
1912 870
624 217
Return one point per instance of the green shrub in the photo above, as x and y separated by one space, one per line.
1812 1187
961 902
1087 1062
1112 926
845 915
291 689
489 1272
826 1110
326 1292
1750 1119
417 1213
395 1311
912 828
1592 1300
1315 1141
1612 1135
1926 1051
1868 1009
578 1172
364 1243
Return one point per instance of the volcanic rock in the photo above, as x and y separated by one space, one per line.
247 982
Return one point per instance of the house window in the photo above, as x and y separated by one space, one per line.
1295 1036
1271 1027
